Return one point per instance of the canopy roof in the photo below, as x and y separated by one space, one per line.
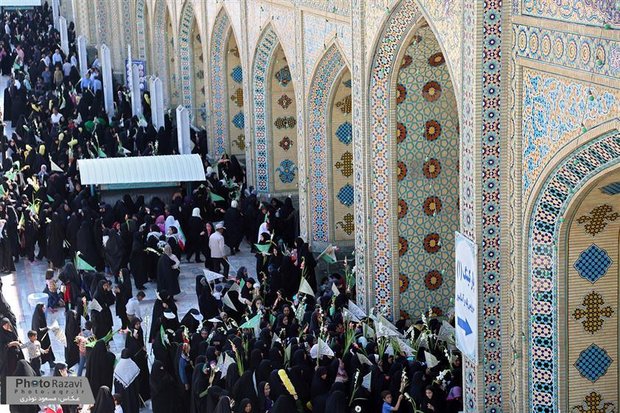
141 169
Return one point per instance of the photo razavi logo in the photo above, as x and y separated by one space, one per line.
48 390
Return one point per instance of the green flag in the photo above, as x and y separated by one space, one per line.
101 153
163 336
2 191
216 198
329 254
252 323
263 248
80 264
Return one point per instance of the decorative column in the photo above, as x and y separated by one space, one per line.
82 58
64 35
56 12
483 176
157 102
183 130
136 93
108 87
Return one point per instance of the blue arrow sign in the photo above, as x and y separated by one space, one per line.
464 324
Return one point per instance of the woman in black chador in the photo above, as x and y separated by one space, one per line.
39 324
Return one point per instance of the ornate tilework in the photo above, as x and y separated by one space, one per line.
347 224
345 195
574 11
260 82
421 176
287 170
160 43
592 263
185 55
284 76
328 71
285 101
593 312
345 165
237 97
569 176
554 108
594 403
221 30
236 74
611 189
239 120
285 122
593 363
141 30
345 133
590 54
286 143
597 219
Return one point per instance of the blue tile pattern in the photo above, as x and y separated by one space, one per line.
593 363
611 189
237 74
345 195
239 120
345 133
593 263
287 171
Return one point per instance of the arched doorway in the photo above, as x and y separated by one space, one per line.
330 157
426 160
590 255
227 85
199 98
161 56
275 118
565 266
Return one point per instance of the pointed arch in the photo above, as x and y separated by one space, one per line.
569 174
262 69
227 88
185 55
329 69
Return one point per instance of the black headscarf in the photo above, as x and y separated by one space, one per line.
104 403
100 366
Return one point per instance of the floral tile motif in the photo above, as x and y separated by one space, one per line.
287 171
285 122
285 143
237 97
285 101
284 76
345 165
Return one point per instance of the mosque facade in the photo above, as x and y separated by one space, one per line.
396 123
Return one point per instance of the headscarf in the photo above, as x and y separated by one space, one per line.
104 402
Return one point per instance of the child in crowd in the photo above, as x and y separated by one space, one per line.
117 403
82 339
34 350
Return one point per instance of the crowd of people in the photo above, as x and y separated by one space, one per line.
269 339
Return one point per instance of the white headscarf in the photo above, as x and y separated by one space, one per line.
196 212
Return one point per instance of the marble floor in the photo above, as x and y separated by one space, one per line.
30 277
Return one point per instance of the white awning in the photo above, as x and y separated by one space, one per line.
141 169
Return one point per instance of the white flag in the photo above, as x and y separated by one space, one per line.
335 290
228 302
366 381
94 305
356 311
304 287
431 361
